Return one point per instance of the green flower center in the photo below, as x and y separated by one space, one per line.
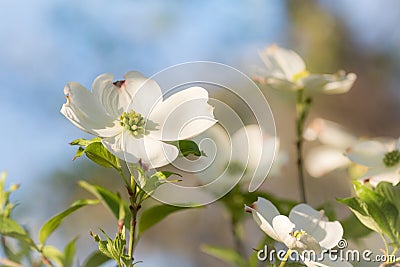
133 122
391 158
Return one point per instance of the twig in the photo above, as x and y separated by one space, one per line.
10 263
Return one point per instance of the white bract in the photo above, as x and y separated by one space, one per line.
286 70
247 154
329 156
381 158
305 229
133 118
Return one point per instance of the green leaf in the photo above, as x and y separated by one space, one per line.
360 211
112 248
52 224
354 229
6 207
383 212
253 260
95 151
109 199
377 209
79 153
390 192
11 228
188 147
84 142
100 155
54 255
69 253
155 214
96 259
225 254
165 174
127 260
64 259
154 181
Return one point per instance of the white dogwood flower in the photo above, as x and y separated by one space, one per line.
247 154
381 158
329 156
134 120
286 70
305 229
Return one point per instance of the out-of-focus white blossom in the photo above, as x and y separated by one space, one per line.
329 156
246 155
381 158
286 70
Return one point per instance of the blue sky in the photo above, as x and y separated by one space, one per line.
45 44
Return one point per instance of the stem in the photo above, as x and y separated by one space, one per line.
389 259
123 177
236 236
134 208
283 262
132 229
46 261
386 248
4 245
302 108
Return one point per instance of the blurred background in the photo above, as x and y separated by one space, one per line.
45 44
